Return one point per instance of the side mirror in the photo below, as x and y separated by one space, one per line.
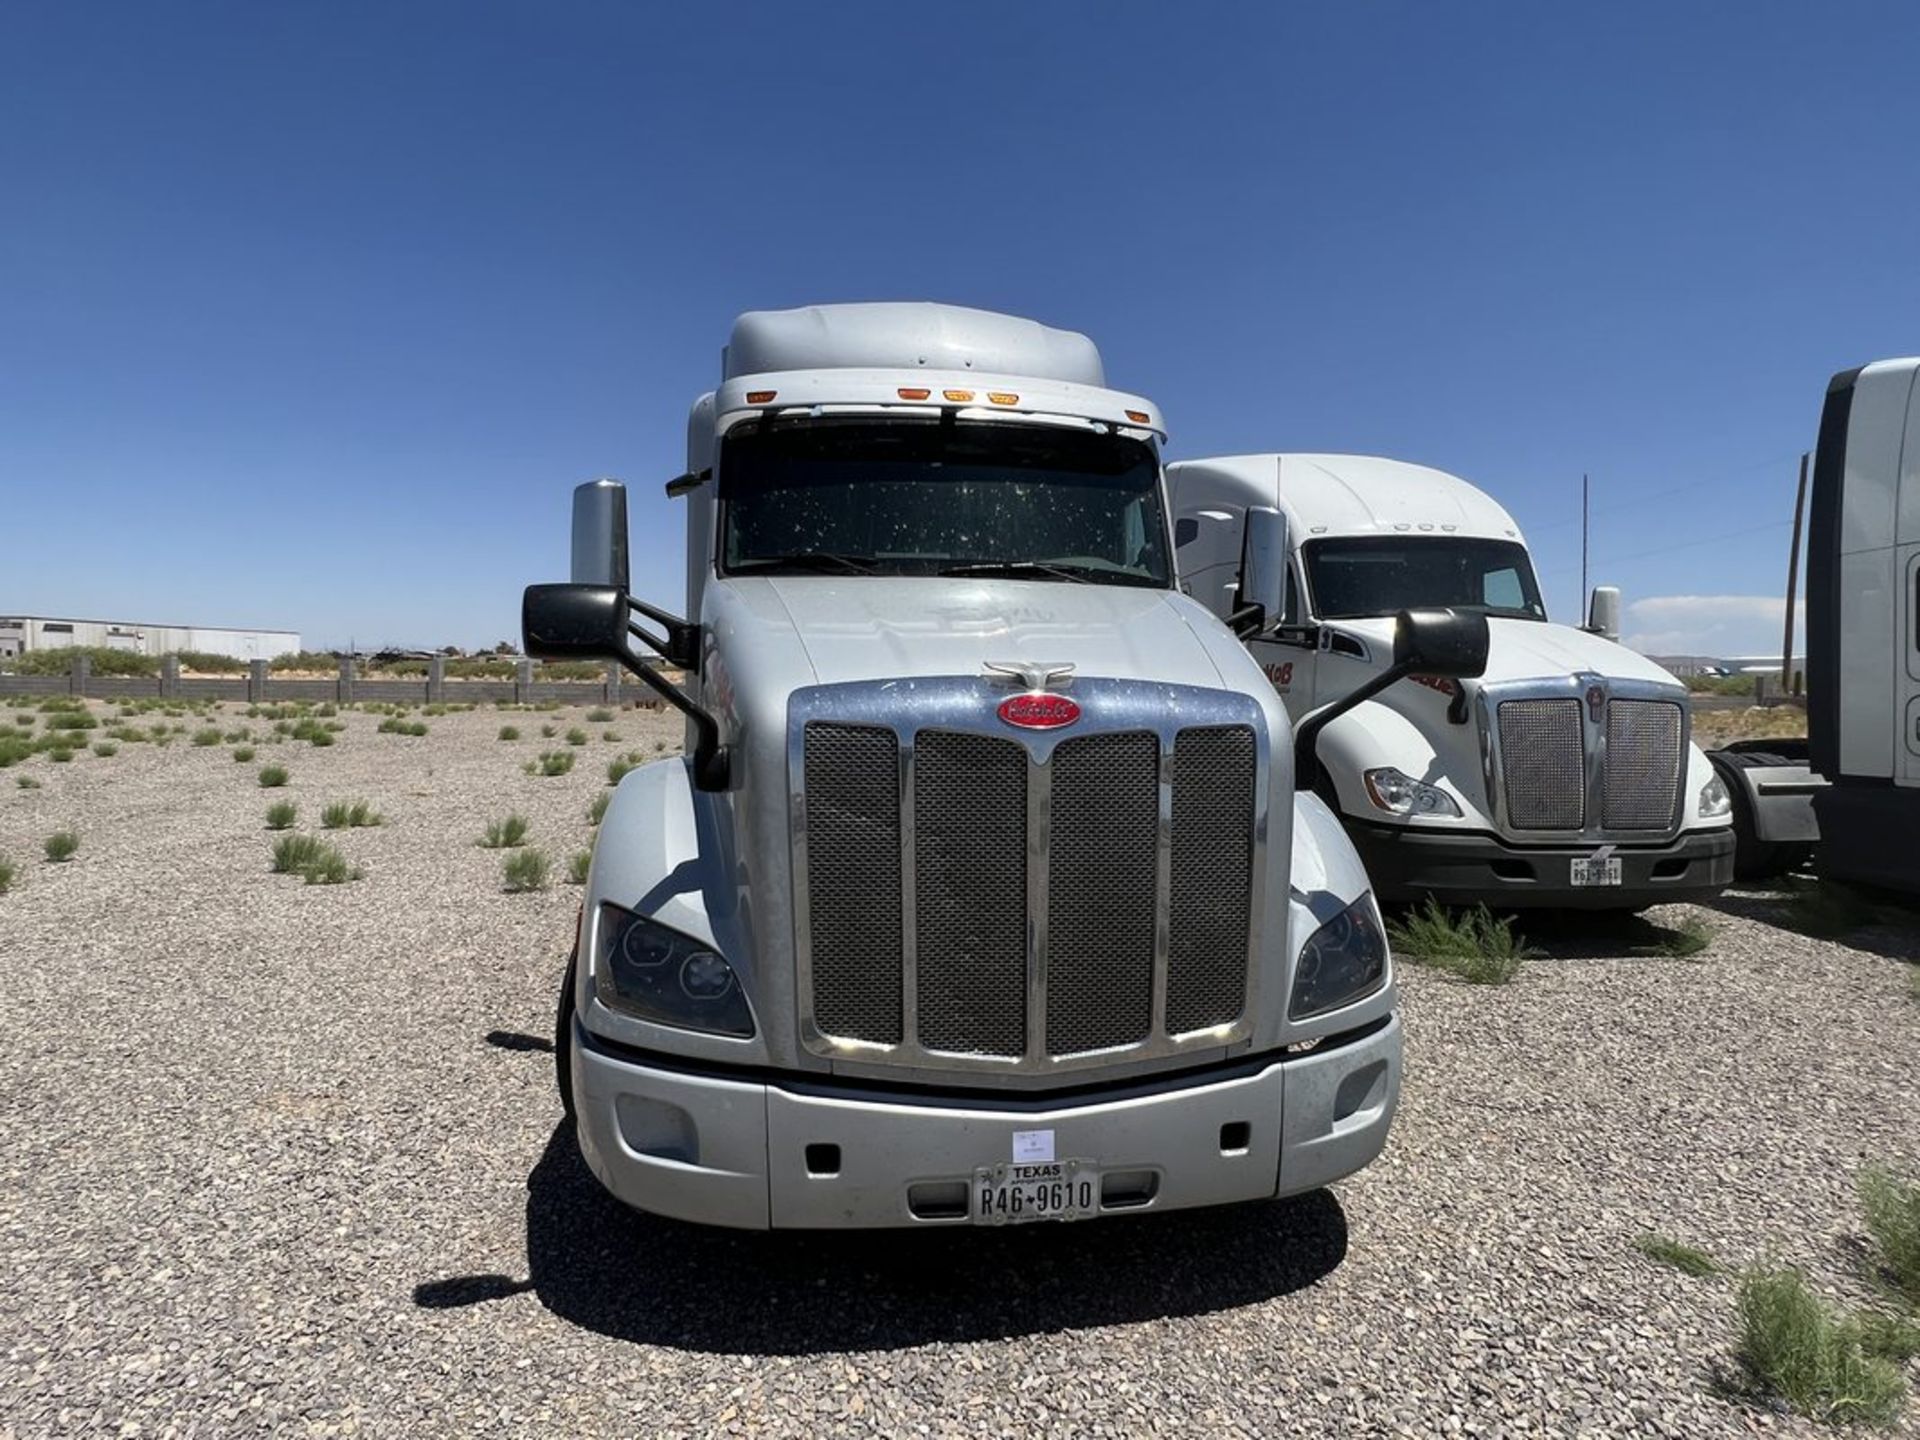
574 622
1447 643
1603 611
1263 572
600 535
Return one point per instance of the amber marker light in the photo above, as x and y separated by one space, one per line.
959 397
1003 397
908 393
1139 417
761 397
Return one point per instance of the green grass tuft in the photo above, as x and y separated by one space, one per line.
204 738
27 782
525 870
1471 944
7 874
242 754
1685 940
272 777
293 853
105 749
597 811
280 814
599 715
578 863
505 834
350 815
1684 1258
551 762
61 845
1892 1209
394 725
330 867
509 732
1820 1361
549 731
576 736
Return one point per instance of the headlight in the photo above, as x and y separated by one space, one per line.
1400 794
1345 959
1714 800
658 974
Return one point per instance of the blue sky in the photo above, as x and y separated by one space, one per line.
311 315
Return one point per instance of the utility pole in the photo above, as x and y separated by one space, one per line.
1584 592
1793 579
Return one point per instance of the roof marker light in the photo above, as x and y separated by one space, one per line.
761 397
959 397
1003 397
909 392
1139 417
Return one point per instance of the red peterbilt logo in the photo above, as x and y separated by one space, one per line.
1039 710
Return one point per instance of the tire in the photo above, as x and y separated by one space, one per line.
563 1040
1753 858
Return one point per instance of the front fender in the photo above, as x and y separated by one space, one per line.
1327 878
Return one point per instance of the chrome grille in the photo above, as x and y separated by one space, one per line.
853 903
1100 892
970 892
1543 757
970 900
1644 753
1213 773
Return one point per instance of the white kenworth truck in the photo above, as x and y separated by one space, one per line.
982 893
1564 776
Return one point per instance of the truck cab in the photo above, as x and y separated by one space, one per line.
1564 776
983 893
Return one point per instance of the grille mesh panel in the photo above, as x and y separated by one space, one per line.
1643 764
853 880
1100 892
1543 758
1213 773
970 892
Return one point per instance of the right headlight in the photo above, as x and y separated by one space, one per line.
658 974
1345 959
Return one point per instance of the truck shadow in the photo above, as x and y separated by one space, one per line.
635 1277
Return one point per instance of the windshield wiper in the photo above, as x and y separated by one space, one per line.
805 560
1021 568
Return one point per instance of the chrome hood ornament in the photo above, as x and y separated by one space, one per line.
1034 674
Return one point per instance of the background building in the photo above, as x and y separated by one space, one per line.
20 634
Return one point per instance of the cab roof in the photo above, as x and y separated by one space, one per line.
1346 494
908 335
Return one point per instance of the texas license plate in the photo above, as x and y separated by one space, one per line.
1596 871
1012 1194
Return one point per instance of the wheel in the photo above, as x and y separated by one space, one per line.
1753 858
563 1039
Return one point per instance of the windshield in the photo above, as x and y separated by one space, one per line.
1385 574
854 494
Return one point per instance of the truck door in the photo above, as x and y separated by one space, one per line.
1289 658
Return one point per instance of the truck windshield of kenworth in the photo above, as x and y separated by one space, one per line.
912 496
1356 577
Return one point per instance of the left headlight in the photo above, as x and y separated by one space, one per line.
1400 794
1714 800
1345 960
658 974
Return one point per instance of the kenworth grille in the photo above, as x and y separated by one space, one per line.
1590 761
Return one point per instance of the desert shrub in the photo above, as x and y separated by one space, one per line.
208 664
1471 944
105 748
578 863
576 736
1826 1364
307 660
550 762
60 755
619 767
1684 1258
27 782
71 720
330 867
7 874
350 815
59 661
525 870
597 811
61 845
280 814
1892 1209
505 834
599 715
394 725
612 737
243 753
509 732
272 777
549 731
293 853
13 751
206 737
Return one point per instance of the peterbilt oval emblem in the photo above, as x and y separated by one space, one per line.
1039 710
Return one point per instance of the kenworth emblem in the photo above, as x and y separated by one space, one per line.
1596 701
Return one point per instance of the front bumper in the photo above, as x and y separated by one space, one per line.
1408 865
755 1153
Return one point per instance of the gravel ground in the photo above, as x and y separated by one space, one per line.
284 1158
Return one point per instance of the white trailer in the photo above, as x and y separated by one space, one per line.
1564 776
983 892
1863 625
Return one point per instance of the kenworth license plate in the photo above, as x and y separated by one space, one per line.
1011 1194
1597 871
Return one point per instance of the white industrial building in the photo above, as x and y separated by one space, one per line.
20 634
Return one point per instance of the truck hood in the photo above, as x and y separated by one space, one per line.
1532 649
858 627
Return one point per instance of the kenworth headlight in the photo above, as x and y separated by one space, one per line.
1345 960
1401 794
658 974
1714 799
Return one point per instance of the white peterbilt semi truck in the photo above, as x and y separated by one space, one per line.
1564 776
982 893
1863 626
